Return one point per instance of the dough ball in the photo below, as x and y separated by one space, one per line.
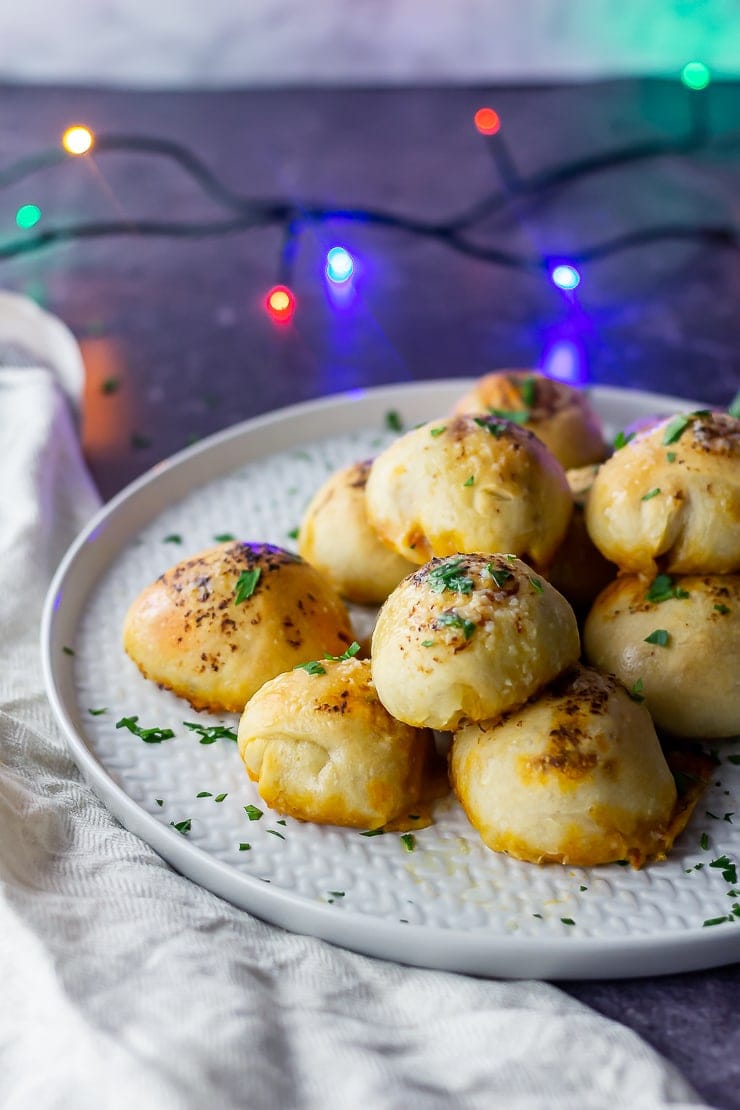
671 498
216 626
322 748
337 538
681 652
579 571
468 637
559 414
469 483
575 777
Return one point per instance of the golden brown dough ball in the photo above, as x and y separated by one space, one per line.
579 570
469 483
216 626
558 414
576 776
469 637
322 748
671 498
337 538
680 652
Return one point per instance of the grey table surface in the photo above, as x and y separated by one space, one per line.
179 323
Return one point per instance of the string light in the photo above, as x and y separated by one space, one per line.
339 265
77 140
487 121
459 232
695 75
565 276
28 215
280 303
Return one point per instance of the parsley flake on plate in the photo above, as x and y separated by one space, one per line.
148 735
246 584
209 734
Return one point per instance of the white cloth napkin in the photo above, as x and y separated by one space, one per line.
124 985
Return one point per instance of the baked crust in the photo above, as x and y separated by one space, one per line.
576 777
190 633
559 414
337 538
322 748
670 498
469 483
691 683
469 637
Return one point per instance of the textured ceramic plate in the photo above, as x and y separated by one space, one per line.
448 903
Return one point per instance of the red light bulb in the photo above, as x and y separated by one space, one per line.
487 121
280 303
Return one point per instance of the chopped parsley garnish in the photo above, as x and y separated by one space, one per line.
454 620
409 841
582 887
427 643
704 842
293 533
252 812
675 428
209 734
336 893
496 429
314 667
174 537
636 693
220 797
244 847
204 794
349 653
97 712
650 494
393 421
159 801
148 735
734 406
516 416
621 440
469 481
110 385
500 575
662 588
567 921
373 832
537 584
437 431
716 921
723 609
447 576
182 826
246 584
528 391
67 650
660 636
274 832
727 867
224 537
671 456
538 915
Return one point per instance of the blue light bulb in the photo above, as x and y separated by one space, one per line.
565 276
339 265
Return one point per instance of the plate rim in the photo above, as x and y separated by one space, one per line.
452 949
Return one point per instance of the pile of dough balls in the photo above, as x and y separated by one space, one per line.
666 509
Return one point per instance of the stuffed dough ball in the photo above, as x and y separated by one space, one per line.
216 626
579 570
321 747
576 776
671 498
337 538
560 415
469 483
468 637
675 643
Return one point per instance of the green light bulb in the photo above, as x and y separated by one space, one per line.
28 215
695 75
